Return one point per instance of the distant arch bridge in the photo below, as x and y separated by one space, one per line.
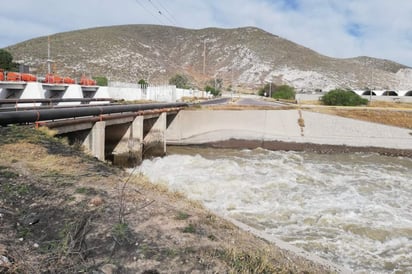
384 92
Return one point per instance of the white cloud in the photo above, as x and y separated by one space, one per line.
383 27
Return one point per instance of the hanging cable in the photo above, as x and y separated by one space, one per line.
154 14
160 12
169 14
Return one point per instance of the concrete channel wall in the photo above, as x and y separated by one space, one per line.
292 126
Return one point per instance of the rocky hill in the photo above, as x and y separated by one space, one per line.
244 58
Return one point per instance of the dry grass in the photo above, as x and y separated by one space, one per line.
388 113
383 104
386 117
39 159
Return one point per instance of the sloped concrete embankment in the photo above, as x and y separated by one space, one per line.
286 129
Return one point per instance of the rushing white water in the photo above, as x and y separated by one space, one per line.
352 209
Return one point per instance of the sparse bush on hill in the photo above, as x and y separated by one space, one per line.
341 97
278 92
180 81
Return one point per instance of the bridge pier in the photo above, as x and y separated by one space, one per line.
95 140
154 143
129 150
126 141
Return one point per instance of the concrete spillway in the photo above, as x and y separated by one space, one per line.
291 126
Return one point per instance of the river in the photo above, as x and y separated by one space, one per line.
352 209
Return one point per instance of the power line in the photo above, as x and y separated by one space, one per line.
151 12
167 11
158 10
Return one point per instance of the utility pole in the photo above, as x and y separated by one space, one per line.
270 89
371 89
48 56
231 82
204 57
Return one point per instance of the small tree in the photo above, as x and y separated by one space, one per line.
143 84
212 90
214 86
101 81
180 81
264 91
279 92
284 92
341 97
6 61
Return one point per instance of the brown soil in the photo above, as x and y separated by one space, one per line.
64 212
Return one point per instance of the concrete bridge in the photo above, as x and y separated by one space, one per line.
123 139
121 133
384 92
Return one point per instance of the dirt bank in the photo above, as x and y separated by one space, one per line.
64 212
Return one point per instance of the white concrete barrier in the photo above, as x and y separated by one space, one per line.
117 91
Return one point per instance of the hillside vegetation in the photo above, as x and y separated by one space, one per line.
243 58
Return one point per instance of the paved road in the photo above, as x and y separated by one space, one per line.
247 101
258 102
219 101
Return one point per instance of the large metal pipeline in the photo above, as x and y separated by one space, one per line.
31 116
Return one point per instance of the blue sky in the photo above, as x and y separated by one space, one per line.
336 28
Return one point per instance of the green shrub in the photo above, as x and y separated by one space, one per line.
284 92
143 84
101 81
278 92
261 92
212 90
340 97
180 81
189 229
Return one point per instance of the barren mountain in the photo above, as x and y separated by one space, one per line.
244 58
